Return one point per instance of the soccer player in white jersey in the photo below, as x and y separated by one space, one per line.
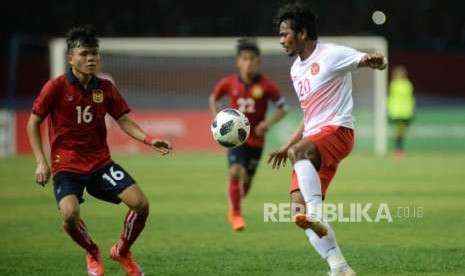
321 75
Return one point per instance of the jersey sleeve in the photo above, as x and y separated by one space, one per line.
118 105
45 101
344 59
221 88
275 95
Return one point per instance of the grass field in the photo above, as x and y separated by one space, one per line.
188 234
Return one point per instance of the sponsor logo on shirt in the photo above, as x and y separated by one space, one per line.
315 68
70 97
257 91
97 95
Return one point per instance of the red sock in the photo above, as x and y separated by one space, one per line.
80 236
235 195
134 223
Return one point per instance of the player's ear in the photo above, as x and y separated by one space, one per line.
69 56
237 61
304 34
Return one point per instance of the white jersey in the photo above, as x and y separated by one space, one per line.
323 83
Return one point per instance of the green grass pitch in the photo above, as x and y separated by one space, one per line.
188 233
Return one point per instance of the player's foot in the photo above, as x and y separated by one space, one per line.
347 271
127 262
94 265
302 221
237 221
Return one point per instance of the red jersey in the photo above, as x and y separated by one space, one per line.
77 130
251 99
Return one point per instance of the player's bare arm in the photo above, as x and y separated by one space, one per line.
214 105
42 173
135 131
279 156
373 60
265 125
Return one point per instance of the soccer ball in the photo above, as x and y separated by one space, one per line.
230 128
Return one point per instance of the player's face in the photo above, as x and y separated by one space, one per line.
247 63
288 38
84 60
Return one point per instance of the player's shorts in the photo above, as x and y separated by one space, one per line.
105 183
247 156
334 143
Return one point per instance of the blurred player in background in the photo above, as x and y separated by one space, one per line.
322 80
248 91
75 104
401 106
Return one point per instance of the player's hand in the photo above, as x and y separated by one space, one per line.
162 146
278 157
261 128
375 61
42 174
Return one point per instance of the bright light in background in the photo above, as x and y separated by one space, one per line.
378 17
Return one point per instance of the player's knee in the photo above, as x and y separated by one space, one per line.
236 171
70 216
295 154
142 207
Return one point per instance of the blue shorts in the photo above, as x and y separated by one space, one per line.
105 183
247 156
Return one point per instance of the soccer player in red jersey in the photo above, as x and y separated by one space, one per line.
76 104
321 75
248 91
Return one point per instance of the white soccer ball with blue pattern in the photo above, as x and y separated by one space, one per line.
230 128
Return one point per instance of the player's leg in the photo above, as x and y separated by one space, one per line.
325 152
135 219
68 190
74 226
306 159
134 223
237 174
251 163
114 184
401 129
247 183
326 246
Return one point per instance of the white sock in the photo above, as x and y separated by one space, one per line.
310 187
328 248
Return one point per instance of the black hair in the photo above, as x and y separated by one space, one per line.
83 35
300 16
247 44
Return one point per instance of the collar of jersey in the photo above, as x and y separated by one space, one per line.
312 55
72 79
254 80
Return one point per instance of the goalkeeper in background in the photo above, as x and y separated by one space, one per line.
401 107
